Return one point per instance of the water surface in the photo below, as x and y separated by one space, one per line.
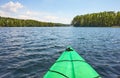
28 52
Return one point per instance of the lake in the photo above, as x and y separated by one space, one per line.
28 52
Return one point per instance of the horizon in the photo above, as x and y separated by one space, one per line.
54 10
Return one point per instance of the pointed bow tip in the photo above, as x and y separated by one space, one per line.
69 49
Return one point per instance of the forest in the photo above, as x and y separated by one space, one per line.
13 22
101 19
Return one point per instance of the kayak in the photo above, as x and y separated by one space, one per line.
71 65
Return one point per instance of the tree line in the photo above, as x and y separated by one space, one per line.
12 22
101 19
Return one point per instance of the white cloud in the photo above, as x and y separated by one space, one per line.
51 17
12 6
2 13
41 16
38 16
11 9
32 13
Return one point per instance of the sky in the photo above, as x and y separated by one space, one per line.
57 11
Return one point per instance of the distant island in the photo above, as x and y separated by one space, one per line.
13 22
101 19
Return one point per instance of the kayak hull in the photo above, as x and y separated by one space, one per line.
71 65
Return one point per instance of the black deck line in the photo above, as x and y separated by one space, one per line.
58 73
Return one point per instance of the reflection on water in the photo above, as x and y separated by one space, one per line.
28 52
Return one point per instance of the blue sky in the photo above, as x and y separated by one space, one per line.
61 11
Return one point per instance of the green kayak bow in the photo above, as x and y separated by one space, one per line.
71 65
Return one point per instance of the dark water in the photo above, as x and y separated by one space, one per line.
29 52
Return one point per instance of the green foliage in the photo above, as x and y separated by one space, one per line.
12 22
102 19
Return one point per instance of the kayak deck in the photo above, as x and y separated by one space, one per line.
71 65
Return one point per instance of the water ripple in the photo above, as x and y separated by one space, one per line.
29 52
